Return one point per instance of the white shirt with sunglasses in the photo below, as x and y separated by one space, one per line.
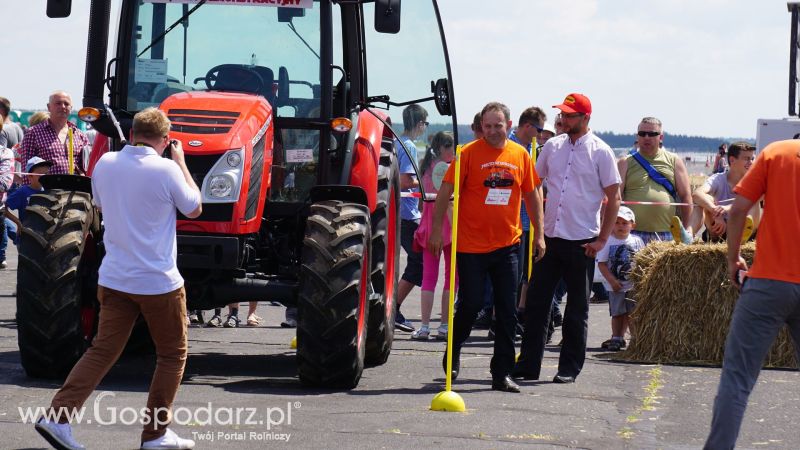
576 175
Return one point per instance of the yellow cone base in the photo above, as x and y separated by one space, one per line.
293 344
448 401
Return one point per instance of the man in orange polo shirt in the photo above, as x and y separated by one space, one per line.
770 291
496 175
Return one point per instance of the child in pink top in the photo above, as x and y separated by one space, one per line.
434 165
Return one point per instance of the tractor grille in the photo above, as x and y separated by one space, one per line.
198 121
256 172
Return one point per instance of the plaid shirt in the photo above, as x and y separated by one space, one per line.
6 169
42 140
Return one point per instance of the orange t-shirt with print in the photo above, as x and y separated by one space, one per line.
776 176
492 183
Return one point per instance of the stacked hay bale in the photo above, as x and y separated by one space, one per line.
685 304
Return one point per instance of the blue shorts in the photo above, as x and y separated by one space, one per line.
619 304
413 270
648 236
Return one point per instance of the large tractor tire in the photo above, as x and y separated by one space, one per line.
385 259
334 291
54 320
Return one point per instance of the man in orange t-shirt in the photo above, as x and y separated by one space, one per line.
496 174
770 292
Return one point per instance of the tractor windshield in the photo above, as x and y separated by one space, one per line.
188 45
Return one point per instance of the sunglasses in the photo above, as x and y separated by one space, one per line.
572 115
538 128
649 133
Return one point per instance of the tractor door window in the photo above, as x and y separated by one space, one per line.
263 50
294 170
403 65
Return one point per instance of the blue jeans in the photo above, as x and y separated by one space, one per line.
4 237
11 233
762 309
500 268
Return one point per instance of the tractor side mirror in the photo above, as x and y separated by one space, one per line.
285 15
387 16
441 96
58 8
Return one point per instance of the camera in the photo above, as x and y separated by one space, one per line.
168 151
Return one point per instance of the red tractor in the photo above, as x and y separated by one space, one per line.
296 164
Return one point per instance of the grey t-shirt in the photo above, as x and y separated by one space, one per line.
11 134
719 188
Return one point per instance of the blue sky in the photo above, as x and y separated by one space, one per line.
705 67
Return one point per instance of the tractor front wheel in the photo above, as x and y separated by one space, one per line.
332 305
54 320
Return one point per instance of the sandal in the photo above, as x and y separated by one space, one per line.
423 334
231 321
214 322
253 320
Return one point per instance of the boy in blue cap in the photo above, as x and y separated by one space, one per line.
18 200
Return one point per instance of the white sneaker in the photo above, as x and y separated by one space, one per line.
59 435
169 440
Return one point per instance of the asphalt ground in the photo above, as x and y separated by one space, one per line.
611 406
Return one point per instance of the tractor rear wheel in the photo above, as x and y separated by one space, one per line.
385 259
54 321
334 287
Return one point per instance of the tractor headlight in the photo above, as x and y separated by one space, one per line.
220 186
223 183
233 159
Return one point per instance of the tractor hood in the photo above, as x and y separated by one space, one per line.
213 121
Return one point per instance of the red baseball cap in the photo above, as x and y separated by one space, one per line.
575 103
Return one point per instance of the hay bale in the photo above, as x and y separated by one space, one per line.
685 304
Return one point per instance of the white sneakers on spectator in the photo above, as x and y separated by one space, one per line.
59 435
169 440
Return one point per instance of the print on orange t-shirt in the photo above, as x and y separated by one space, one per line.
492 183
776 176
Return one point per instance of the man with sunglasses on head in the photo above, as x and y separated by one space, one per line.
580 170
653 174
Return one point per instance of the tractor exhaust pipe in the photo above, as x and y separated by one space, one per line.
252 289
99 17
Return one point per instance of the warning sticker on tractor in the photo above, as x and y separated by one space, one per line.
151 70
302 155
281 3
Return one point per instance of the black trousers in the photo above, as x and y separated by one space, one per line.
564 259
500 268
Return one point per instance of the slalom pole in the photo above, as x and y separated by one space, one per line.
71 151
448 400
530 222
